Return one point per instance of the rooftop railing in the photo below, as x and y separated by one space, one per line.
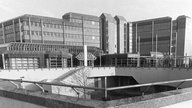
144 61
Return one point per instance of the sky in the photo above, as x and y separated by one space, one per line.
132 10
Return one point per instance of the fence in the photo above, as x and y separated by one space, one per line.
146 61
105 90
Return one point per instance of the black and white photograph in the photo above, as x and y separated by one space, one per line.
95 53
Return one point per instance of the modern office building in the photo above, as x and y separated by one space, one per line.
121 34
150 36
48 42
54 42
181 37
82 29
108 33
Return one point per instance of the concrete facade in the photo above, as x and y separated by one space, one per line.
121 34
181 37
41 34
149 34
38 29
109 33
88 25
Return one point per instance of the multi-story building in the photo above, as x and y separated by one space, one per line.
48 42
150 36
121 34
31 41
108 33
181 37
82 29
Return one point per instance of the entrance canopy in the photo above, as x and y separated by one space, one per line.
157 54
90 56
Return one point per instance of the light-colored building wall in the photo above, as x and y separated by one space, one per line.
188 37
112 31
109 33
121 34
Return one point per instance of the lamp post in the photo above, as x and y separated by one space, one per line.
139 49
84 45
139 46
175 49
156 51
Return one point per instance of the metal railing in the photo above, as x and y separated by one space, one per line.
146 61
106 90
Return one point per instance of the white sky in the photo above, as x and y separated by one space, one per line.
132 10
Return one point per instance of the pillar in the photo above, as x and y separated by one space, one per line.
14 34
42 37
3 33
105 87
30 37
21 38
71 60
138 60
152 34
85 55
3 60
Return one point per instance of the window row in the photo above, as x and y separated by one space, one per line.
73 43
84 21
14 63
93 30
39 33
39 24
79 36
74 36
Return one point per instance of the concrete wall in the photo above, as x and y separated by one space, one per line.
188 38
23 99
11 103
146 75
32 75
79 78
153 101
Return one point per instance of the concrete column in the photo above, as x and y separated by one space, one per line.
171 38
83 35
100 60
16 67
136 37
115 61
63 33
85 55
93 63
152 34
3 29
21 38
138 60
27 63
3 60
13 23
71 60
105 87
62 62
42 37
47 62
30 37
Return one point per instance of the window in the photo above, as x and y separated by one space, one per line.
32 33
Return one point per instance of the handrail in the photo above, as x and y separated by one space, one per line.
104 89
56 84
148 84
